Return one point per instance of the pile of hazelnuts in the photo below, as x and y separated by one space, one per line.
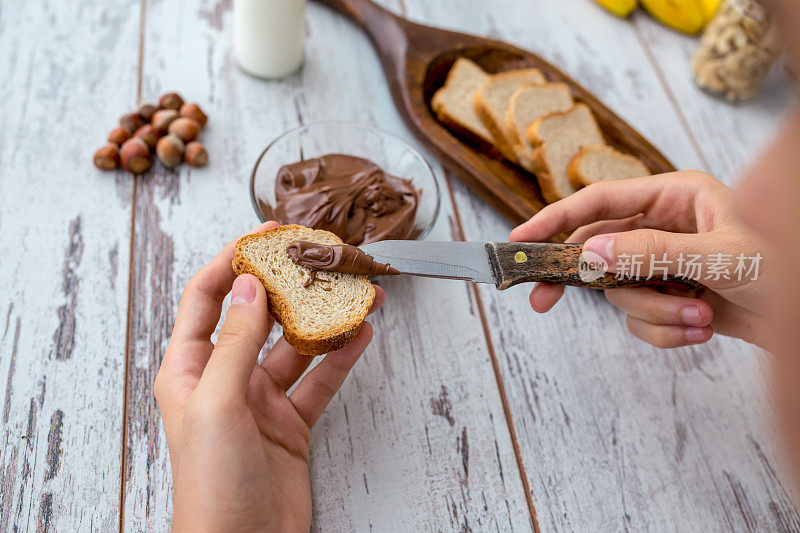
170 129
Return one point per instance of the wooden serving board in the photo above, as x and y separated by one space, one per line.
416 60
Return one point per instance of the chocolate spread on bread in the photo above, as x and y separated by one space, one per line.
346 195
335 258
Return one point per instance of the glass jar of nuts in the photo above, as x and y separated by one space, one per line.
737 50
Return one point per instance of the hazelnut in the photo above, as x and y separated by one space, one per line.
146 110
169 150
107 157
135 155
132 121
119 135
170 101
162 119
148 134
193 111
196 154
185 128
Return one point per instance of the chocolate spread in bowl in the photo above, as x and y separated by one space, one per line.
335 258
346 195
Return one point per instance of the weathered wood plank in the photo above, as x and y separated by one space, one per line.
67 72
614 433
417 438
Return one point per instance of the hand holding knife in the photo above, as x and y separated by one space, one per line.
508 263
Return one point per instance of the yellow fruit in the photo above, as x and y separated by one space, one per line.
621 8
688 16
710 8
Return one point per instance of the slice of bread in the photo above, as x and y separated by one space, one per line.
453 102
317 319
557 138
492 99
599 163
527 104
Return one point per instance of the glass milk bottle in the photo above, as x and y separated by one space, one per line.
268 36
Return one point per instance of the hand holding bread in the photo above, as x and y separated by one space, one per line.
316 317
231 420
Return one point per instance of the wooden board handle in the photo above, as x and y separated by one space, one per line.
365 13
386 30
514 263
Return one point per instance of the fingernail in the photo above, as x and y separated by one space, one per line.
691 315
696 334
243 292
602 245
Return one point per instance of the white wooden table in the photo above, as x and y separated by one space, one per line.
468 411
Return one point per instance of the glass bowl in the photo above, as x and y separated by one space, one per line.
395 156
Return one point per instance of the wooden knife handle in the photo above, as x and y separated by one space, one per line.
514 263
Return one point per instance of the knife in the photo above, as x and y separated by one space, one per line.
508 263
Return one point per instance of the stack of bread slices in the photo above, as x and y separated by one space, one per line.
533 123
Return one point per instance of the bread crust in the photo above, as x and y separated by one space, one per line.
441 110
468 136
578 180
495 127
483 113
547 184
532 130
332 340
573 170
518 143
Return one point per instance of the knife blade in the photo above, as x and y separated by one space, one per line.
508 263
451 260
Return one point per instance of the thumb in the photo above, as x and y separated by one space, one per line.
240 339
651 253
